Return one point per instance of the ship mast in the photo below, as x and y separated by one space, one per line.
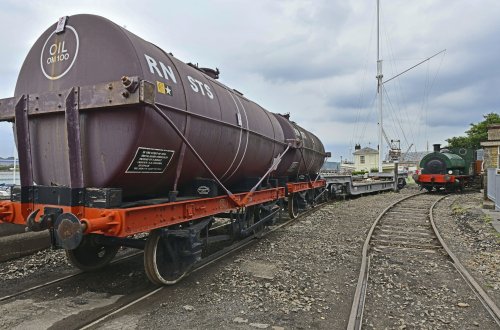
379 93
380 84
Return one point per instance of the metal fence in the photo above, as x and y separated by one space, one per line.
493 186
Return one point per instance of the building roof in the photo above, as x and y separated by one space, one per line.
414 156
331 166
365 151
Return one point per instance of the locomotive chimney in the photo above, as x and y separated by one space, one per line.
437 147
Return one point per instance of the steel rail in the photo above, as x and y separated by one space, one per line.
357 309
487 302
208 261
60 279
356 315
246 241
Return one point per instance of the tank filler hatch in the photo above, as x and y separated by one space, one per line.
212 73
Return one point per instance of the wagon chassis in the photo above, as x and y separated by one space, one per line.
91 223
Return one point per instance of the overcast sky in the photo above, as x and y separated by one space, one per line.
315 59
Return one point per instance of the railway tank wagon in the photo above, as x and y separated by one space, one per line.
449 169
118 137
236 137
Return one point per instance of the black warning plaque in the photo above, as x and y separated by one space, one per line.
148 160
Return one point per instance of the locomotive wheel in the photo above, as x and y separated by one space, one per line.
162 260
293 206
89 256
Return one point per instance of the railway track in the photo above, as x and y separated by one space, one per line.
207 261
120 259
401 245
92 318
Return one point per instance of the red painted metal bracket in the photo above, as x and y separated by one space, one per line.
128 221
301 186
437 178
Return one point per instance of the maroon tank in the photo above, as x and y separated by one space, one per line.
133 148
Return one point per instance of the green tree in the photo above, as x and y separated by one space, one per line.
476 134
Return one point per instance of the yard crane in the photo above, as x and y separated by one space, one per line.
395 151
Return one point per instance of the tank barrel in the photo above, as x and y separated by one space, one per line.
131 148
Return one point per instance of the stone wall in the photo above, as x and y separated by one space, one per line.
491 157
490 153
491 147
494 132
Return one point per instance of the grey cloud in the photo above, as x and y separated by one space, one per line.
307 56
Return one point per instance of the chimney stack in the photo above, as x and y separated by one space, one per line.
437 147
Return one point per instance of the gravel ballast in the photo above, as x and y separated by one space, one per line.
302 276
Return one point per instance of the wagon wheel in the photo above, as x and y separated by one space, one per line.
327 195
293 206
264 211
322 194
260 212
90 256
250 217
244 219
163 260
311 197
